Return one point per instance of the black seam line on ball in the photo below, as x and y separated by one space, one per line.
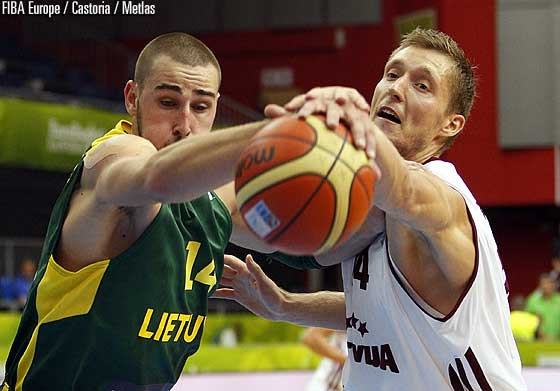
323 180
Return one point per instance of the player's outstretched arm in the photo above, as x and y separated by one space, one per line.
317 339
246 283
128 171
410 194
404 190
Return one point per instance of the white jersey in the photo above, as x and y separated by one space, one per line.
328 375
396 341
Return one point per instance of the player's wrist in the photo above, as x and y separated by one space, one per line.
284 310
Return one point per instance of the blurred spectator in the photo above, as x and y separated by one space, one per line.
555 272
22 282
524 325
229 335
331 345
5 293
545 303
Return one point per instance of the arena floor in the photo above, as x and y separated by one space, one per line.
538 379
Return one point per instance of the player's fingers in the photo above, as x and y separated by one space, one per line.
333 114
296 103
313 93
359 101
376 169
226 281
254 268
340 96
274 111
358 132
371 143
233 262
224 293
229 271
311 107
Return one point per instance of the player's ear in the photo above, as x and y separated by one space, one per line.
453 125
131 97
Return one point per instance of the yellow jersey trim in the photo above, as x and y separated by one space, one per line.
122 127
61 294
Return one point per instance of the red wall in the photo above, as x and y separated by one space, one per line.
496 177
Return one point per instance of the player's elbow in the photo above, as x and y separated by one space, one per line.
308 337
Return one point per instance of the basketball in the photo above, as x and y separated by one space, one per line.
303 188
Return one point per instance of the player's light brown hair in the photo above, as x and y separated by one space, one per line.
462 81
180 47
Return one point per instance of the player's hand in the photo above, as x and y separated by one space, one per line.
246 283
337 103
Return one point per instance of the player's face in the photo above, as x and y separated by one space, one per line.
175 101
548 286
410 102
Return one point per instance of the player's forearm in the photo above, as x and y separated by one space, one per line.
392 190
328 351
194 166
317 341
320 309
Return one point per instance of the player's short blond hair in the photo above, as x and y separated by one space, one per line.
462 81
180 47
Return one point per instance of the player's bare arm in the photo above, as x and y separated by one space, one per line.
424 213
246 283
317 339
435 248
177 173
125 180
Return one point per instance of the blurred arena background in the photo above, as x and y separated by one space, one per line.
61 81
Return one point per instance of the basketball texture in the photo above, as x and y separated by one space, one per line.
302 187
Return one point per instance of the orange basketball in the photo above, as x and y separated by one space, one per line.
302 187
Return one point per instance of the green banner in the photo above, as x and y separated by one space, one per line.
48 136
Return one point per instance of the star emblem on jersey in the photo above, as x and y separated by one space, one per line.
351 322
362 329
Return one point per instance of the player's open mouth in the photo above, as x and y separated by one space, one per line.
389 114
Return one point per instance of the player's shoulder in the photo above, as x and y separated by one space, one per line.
118 145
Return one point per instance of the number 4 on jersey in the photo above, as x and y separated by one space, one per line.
205 276
360 271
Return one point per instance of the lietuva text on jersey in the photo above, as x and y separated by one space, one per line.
127 323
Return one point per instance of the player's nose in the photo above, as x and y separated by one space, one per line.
396 89
182 126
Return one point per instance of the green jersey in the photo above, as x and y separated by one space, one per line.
126 323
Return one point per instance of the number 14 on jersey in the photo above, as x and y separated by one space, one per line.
206 276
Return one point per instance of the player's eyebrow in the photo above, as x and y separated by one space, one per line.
200 91
178 89
423 69
172 87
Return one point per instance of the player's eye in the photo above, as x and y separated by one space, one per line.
422 86
200 107
167 102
